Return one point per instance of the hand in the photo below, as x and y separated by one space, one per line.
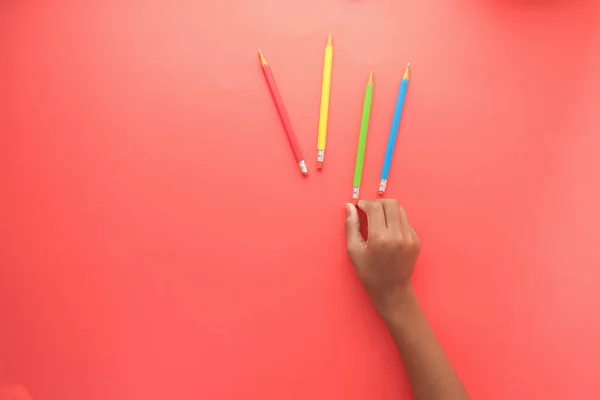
385 262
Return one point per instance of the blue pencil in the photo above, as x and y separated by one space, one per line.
389 151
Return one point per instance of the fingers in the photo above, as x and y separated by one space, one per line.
392 215
354 239
386 219
375 216
403 223
415 240
408 233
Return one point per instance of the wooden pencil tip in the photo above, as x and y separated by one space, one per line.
370 78
263 61
329 40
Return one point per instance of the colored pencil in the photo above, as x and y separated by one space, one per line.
389 151
283 115
362 137
325 91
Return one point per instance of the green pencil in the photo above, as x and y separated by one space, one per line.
362 137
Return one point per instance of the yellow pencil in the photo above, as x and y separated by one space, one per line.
325 90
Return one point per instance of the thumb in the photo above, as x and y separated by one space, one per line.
354 239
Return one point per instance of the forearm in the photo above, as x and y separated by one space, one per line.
384 264
430 373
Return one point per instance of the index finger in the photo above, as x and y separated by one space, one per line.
375 215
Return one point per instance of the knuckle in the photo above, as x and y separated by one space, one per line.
388 242
403 242
417 245
378 240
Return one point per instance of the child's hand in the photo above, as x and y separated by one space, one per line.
385 262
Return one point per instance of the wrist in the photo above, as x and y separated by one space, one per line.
399 303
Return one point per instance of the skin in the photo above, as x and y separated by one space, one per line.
384 264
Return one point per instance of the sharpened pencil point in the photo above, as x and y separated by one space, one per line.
263 61
329 41
407 72
370 78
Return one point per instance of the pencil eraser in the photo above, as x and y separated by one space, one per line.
319 165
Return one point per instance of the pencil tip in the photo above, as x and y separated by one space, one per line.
263 61
370 78
329 41
408 65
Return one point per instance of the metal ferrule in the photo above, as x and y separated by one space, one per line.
355 193
320 155
382 185
303 168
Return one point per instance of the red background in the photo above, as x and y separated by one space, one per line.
158 241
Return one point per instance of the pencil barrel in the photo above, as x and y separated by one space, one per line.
362 137
283 116
389 151
325 94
